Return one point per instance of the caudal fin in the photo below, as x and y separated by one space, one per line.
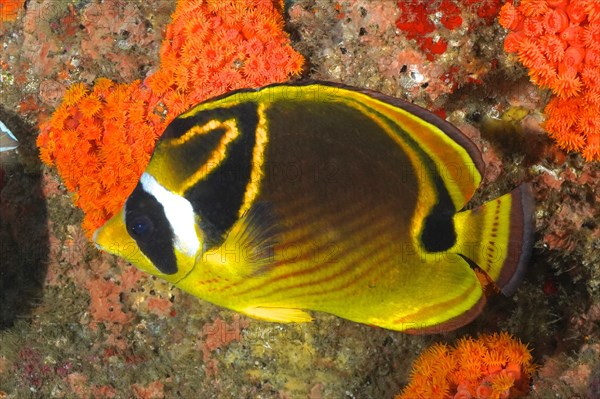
498 236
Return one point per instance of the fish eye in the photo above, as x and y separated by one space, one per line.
141 227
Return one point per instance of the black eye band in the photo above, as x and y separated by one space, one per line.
147 224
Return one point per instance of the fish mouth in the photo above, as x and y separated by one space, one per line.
186 274
95 239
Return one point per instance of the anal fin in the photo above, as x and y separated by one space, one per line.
279 315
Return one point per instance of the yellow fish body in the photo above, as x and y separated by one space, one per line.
321 197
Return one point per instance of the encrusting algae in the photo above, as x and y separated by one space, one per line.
101 139
495 366
559 42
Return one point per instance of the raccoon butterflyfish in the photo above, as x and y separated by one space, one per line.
298 197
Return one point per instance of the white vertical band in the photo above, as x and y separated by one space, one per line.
179 213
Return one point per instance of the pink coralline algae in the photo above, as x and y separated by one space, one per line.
31 369
217 335
220 333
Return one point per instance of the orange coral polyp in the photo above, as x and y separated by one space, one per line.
558 3
90 105
573 56
592 9
501 385
553 47
534 8
573 35
462 395
592 149
576 12
572 141
533 27
75 93
484 391
588 124
512 42
591 36
567 84
530 54
591 78
556 21
509 17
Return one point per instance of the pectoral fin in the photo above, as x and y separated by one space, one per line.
255 234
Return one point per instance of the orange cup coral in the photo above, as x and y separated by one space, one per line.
9 10
494 366
559 42
101 139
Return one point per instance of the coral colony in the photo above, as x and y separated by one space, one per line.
559 42
101 139
495 366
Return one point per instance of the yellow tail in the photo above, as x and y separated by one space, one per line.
498 237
